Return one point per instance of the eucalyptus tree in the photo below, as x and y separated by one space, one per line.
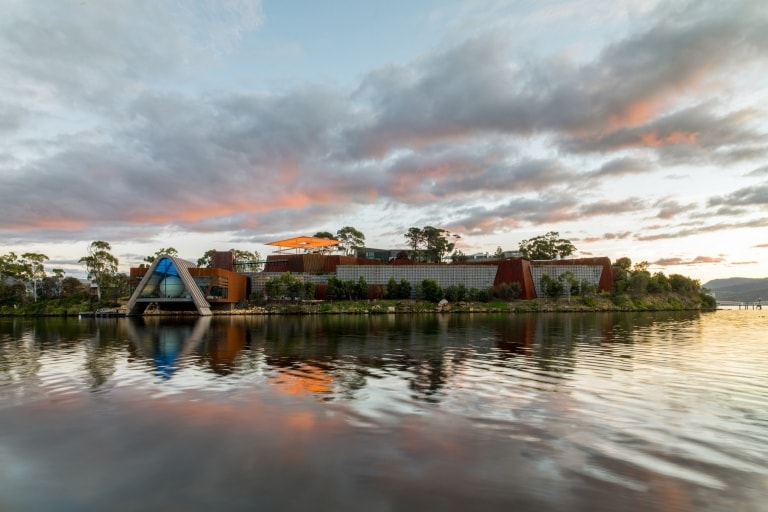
430 243
350 239
170 251
246 261
100 264
546 247
33 269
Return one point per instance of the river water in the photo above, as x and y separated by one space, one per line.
629 411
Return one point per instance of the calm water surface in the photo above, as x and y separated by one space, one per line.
646 412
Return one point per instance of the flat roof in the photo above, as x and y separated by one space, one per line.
304 242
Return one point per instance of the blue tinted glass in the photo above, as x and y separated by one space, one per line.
165 266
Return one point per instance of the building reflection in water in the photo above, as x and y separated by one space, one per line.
167 345
336 356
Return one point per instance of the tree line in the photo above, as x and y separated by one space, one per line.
24 280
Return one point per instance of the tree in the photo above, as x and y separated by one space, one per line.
101 265
552 287
430 290
350 239
33 269
10 266
623 263
414 239
72 287
245 261
328 236
546 247
170 251
430 243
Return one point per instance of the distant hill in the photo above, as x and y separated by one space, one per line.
740 289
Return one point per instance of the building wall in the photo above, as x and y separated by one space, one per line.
472 276
596 271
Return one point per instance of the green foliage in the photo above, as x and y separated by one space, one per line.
483 295
623 301
430 244
546 247
552 287
684 285
508 291
350 240
346 290
456 293
245 261
287 285
100 264
638 283
623 263
707 299
430 291
659 283
395 290
587 289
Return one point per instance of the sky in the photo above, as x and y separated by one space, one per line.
632 128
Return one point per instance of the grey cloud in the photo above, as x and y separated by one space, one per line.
691 134
670 208
747 196
697 230
698 260
760 171
624 166
415 134
612 207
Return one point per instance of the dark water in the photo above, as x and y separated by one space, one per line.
646 412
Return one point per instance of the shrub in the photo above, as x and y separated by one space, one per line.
456 293
476 295
430 291
508 291
553 288
404 289
392 289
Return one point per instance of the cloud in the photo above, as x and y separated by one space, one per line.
624 166
698 260
617 236
747 196
671 208
760 171
698 230
477 132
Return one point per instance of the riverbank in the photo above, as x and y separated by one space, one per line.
601 303
596 303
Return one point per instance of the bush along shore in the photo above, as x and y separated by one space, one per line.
603 302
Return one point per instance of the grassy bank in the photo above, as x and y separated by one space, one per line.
601 302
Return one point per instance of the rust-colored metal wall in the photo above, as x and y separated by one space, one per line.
516 271
223 259
236 284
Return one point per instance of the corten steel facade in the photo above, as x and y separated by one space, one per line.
481 274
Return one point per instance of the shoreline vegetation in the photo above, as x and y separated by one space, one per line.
603 302
27 291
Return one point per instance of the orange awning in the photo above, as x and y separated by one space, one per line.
304 243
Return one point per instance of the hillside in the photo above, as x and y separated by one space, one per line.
740 289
